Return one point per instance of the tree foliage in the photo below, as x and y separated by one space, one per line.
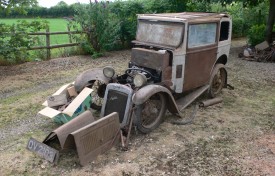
100 24
16 5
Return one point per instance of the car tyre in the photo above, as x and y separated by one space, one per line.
217 80
149 115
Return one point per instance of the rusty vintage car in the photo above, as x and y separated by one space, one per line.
176 57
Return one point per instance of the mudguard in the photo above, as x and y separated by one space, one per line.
146 92
88 76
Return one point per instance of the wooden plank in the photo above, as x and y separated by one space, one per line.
53 46
64 45
57 33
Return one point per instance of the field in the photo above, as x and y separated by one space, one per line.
235 137
56 25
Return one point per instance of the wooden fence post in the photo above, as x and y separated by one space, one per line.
48 46
48 43
69 34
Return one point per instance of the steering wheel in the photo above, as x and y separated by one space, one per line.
141 70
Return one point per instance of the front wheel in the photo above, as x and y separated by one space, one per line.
97 94
149 115
217 80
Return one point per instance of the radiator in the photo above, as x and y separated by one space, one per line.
118 98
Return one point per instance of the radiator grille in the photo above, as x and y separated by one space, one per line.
116 102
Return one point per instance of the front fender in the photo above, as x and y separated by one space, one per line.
89 75
146 92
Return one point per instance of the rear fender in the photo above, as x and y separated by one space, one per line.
89 76
146 92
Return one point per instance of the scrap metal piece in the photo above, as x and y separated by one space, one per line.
262 46
43 150
60 134
95 138
210 102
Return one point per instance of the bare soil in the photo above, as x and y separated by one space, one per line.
236 137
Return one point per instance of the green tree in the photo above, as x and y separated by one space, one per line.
271 14
18 5
270 21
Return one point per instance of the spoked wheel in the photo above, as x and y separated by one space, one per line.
97 94
149 115
217 80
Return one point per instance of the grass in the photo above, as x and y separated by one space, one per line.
56 25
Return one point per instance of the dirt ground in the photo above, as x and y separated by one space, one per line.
236 137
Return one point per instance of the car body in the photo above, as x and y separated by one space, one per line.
174 54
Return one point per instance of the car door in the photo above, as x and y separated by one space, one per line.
201 53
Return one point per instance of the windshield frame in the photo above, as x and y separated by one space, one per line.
172 23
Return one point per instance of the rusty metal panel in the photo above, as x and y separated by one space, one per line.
84 78
60 134
157 60
95 138
186 16
198 65
166 76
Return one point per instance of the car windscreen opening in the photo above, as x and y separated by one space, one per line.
160 32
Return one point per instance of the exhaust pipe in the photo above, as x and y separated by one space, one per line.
210 102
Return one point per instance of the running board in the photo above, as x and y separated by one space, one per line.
188 99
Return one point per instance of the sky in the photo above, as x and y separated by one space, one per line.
50 3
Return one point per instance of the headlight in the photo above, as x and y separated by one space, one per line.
108 71
140 80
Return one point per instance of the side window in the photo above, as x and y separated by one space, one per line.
201 34
224 31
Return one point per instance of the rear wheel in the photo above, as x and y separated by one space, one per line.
149 115
217 80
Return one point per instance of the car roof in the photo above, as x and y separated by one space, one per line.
184 16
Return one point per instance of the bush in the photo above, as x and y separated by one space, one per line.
15 41
237 27
198 6
256 34
126 14
101 26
